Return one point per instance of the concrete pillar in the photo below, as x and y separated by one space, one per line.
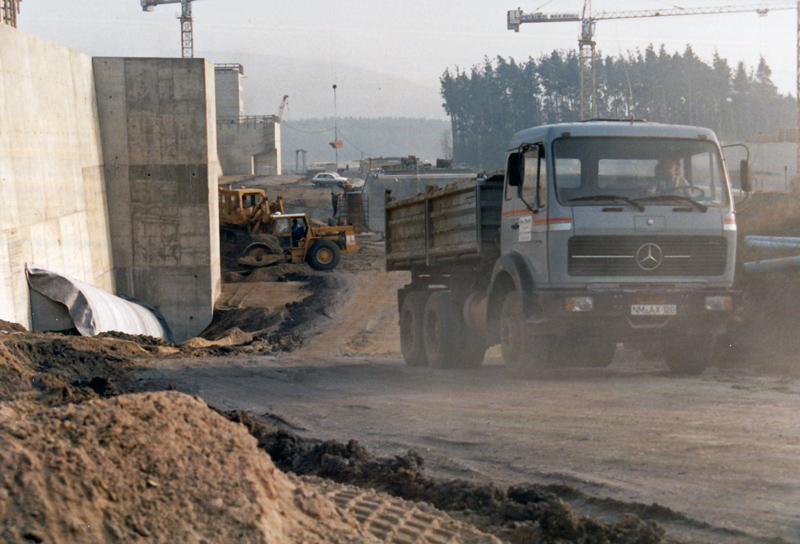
229 90
158 125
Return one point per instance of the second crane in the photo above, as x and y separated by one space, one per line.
187 34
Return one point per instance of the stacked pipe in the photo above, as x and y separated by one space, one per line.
773 265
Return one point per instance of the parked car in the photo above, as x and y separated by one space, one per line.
327 179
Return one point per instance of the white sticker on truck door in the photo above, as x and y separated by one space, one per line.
525 228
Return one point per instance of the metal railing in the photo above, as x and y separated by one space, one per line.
248 120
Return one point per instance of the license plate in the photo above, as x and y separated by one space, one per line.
653 309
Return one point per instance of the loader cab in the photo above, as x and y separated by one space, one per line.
291 231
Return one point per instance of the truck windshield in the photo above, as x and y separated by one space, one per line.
646 171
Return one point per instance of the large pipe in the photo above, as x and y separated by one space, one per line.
773 265
772 241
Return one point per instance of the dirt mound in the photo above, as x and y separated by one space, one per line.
531 513
55 368
157 467
7 326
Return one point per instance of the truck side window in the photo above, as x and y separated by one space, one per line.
534 190
512 169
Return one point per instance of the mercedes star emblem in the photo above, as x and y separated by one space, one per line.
649 257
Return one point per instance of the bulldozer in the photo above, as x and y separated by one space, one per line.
271 235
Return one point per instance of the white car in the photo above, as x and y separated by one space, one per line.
327 179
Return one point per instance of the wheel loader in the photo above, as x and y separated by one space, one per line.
247 216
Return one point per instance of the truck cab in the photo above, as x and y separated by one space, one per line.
617 230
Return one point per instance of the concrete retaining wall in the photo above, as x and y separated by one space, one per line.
52 200
158 125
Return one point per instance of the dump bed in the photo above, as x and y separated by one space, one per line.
457 224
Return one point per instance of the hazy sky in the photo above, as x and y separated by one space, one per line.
386 57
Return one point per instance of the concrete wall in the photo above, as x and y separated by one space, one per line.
229 90
158 125
52 200
250 148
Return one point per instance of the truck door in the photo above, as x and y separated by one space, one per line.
524 225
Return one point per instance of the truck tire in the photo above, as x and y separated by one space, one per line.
523 352
412 313
442 330
689 354
323 255
585 353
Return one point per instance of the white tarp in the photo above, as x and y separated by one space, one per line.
94 310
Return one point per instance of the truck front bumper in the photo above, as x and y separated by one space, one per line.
632 311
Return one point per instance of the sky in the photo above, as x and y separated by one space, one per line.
386 57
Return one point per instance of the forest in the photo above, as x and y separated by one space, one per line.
489 102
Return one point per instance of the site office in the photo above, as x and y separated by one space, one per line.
609 231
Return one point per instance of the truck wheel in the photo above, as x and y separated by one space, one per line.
590 353
690 354
323 255
523 352
441 330
411 315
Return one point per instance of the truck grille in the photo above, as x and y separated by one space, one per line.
650 256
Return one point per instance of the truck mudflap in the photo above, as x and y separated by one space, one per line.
627 312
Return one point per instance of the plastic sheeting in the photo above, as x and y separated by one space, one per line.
94 310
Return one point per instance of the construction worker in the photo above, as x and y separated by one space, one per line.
298 233
336 191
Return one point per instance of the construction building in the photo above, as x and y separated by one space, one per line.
246 145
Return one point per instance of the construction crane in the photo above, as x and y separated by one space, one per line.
586 43
187 34
284 103
8 11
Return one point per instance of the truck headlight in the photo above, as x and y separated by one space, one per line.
719 304
579 304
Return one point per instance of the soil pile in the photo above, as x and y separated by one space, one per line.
522 514
154 467
53 368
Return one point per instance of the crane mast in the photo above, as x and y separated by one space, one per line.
8 11
187 32
586 43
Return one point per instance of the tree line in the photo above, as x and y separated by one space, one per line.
490 101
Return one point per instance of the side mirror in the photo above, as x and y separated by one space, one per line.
744 176
516 169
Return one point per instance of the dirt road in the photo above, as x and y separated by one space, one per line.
721 451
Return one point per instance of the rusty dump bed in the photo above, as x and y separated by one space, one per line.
457 224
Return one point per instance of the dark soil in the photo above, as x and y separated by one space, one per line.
522 514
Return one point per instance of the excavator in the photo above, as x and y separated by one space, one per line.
272 235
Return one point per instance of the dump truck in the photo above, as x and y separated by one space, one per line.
596 233
248 217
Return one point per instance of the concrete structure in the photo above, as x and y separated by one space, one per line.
229 90
158 127
246 145
108 174
52 197
402 186
250 146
